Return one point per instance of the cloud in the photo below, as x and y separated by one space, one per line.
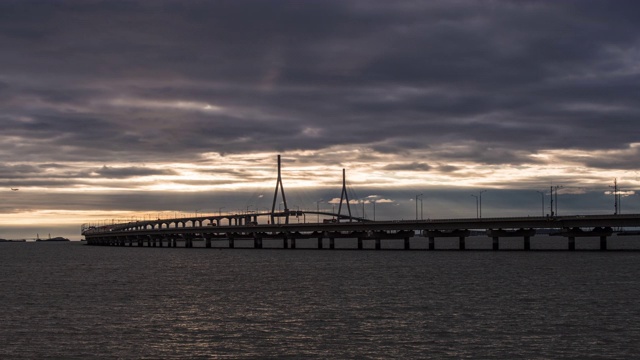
203 94
128 172
402 73
414 166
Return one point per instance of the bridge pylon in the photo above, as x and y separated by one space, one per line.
344 196
275 197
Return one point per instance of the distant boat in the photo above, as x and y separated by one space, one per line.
12 189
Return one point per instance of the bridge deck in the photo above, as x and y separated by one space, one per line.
153 232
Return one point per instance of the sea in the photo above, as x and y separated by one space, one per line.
67 300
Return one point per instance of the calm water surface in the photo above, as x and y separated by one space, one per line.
68 300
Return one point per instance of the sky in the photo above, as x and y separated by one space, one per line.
119 110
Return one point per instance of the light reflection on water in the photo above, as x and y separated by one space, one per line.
74 301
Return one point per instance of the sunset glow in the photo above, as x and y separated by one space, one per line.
432 98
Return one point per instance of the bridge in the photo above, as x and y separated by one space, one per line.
340 227
185 231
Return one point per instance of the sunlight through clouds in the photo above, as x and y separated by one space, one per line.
149 117
160 104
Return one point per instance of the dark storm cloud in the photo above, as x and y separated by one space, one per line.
414 166
168 80
28 171
128 172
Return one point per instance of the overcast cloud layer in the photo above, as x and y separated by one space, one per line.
104 95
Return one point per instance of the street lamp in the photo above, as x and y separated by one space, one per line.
477 212
374 209
417 196
480 207
556 199
617 206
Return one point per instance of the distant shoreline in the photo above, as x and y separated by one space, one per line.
55 239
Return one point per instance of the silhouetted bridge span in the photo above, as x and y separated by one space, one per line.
182 232
339 227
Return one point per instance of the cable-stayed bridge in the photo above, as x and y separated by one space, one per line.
278 225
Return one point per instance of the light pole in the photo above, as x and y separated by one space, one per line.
556 199
616 198
220 211
477 212
374 209
481 201
542 197
417 196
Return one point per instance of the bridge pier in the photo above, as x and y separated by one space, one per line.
432 243
320 242
285 242
572 243
461 241
232 242
407 243
359 242
332 243
378 243
496 243
603 243
293 243
527 243
207 242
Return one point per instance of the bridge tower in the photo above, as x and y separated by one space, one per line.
275 197
344 196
